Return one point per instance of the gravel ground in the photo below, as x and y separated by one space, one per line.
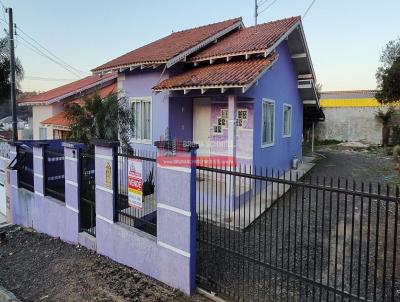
36 267
336 240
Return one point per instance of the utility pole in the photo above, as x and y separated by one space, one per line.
255 11
12 75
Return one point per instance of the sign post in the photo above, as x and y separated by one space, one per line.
135 183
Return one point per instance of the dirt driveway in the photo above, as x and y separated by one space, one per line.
36 267
314 244
368 166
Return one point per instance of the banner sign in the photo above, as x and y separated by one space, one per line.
135 182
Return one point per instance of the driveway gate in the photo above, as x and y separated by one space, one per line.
87 211
264 236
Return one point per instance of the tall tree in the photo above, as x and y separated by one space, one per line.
5 85
105 118
388 74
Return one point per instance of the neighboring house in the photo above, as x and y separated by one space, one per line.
48 118
236 91
350 117
6 123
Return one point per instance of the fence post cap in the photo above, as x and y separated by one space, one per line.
39 143
73 145
104 143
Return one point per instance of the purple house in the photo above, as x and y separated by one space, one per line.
237 91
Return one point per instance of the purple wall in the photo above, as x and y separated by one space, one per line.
180 118
280 85
139 83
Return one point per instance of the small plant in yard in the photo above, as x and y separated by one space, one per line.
148 185
385 117
327 142
396 155
395 136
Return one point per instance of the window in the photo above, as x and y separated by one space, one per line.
141 108
42 133
61 134
287 120
268 123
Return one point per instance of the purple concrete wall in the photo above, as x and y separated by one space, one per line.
169 257
139 83
43 213
280 85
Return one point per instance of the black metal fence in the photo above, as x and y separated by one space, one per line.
24 165
87 208
54 178
278 238
144 216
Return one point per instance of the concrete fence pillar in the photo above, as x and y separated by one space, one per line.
105 178
176 213
72 185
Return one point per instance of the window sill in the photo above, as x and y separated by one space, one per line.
268 145
287 136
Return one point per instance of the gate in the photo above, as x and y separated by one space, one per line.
87 211
264 236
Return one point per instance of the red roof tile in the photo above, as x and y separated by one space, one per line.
255 38
61 120
68 89
234 73
162 50
57 120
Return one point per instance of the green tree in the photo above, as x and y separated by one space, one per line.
388 75
5 85
385 117
99 118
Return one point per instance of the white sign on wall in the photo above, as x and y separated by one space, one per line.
135 182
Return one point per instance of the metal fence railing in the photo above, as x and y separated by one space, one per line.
54 178
24 166
87 208
141 215
266 236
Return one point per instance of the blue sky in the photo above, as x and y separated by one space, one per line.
345 37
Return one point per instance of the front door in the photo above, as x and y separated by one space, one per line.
201 125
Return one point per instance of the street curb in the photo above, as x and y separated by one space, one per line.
7 296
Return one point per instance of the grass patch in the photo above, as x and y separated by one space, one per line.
327 142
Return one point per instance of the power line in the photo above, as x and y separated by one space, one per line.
47 79
41 53
268 6
309 8
49 52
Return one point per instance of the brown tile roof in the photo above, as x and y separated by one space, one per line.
57 120
103 92
68 90
234 73
250 39
162 50
61 120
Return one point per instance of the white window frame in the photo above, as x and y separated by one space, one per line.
263 144
142 100
290 120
